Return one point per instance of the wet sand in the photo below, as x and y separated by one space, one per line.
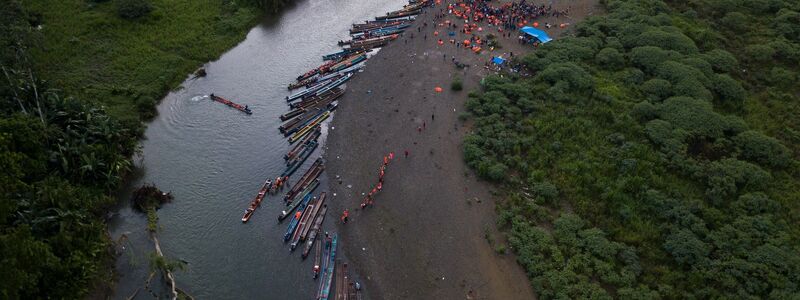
425 236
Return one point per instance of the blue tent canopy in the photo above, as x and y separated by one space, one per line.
498 60
538 34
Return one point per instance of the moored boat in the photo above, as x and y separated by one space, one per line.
314 232
288 211
302 145
295 222
301 158
327 277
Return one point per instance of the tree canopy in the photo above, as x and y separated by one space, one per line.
657 160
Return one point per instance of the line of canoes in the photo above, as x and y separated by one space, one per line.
318 91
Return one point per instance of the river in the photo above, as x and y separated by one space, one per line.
213 159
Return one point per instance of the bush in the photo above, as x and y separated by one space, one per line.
133 9
759 52
673 40
788 23
648 58
782 77
457 85
735 21
657 89
728 90
721 60
611 58
762 149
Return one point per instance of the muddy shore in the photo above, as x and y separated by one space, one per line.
425 237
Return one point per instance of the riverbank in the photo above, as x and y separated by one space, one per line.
102 76
127 65
426 237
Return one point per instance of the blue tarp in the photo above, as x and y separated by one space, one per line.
538 34
498 60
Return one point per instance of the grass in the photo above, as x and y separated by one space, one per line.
93 54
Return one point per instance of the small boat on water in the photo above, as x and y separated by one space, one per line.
335 84
330 265
305 82
294 223
242 108
302 157
314 232
302 144
333 94
304 180
305 130
309 91
248 213
316 70
375 25
317 259
306 221
310 188
399 14
349 67
372 42
306 108
378 33
338 55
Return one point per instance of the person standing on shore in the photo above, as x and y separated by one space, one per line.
345 215
406 153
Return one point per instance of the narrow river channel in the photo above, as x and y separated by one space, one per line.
214 159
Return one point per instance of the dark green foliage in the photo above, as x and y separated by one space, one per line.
648 58
759 53
729 91
673 150
721 60
762 149
133 9
657 89
610 58
787 23
61 157
457 84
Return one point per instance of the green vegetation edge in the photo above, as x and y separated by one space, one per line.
653 153
78 79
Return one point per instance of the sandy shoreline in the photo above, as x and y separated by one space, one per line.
425 236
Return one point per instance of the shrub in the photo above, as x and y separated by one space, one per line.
695 116
673 40
735 21
782 77
759 52
648 58
574 76
686 248
546 190
657 89
788 23
457 85
133 9
728 90
721 60
644 111
611 58
762 149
